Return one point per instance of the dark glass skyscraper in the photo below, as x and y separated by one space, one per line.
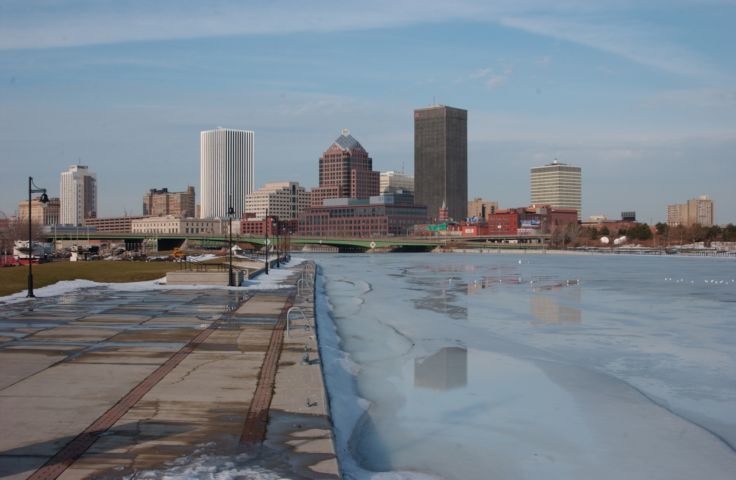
441 160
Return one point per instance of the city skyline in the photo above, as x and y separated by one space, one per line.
640 97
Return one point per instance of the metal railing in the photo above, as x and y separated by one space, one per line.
307 326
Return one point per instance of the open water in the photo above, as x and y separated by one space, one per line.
530 366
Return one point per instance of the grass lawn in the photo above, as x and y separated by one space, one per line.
15 279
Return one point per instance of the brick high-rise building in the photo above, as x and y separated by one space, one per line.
345 171
441 160
158 203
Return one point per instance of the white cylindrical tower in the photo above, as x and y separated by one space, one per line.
225 171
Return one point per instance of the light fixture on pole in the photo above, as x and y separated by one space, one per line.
278 243
265 242
230 212
32 188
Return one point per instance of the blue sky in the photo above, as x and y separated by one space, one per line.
642 97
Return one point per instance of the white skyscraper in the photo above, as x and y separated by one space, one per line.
78 195
558 185
225 171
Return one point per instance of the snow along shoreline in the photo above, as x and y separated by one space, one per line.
274 280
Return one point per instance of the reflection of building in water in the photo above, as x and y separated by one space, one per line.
443 370
548 310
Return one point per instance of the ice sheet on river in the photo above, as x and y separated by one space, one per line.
486 367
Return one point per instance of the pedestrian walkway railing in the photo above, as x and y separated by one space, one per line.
288 319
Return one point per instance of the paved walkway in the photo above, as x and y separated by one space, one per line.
107 384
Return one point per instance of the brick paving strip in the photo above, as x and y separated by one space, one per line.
256 421
65 457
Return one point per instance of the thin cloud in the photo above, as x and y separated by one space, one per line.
492 78
700 98
635 42
598 25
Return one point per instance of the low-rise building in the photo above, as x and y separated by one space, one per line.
172 225
256 227
41 213
284 200
112 224
393 181
161 202
480 208
348 217
503 222
533 220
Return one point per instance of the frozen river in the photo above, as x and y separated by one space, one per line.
531 366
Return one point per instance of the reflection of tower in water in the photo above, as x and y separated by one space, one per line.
443 370
547 309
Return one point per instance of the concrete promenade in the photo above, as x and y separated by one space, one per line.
102 383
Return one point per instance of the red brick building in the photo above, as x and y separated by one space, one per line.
257 227
346 171
533 220
503 222
378 216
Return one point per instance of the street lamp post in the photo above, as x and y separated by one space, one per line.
278 244
265 242
230 212
44 199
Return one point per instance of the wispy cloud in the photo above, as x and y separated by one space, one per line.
701 98
600 25
634 41
492 78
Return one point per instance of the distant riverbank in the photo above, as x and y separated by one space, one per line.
598 251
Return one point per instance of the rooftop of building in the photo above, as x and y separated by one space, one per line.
437 106
347 142
275 186
218 129
556 163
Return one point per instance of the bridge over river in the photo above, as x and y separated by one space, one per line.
163 242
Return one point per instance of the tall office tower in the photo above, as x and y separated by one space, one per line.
394 181
441 160
225 171
285 200
557 184
78 195
162 202
696 210
345 171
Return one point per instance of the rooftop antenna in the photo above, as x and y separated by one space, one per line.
402 166
434 100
